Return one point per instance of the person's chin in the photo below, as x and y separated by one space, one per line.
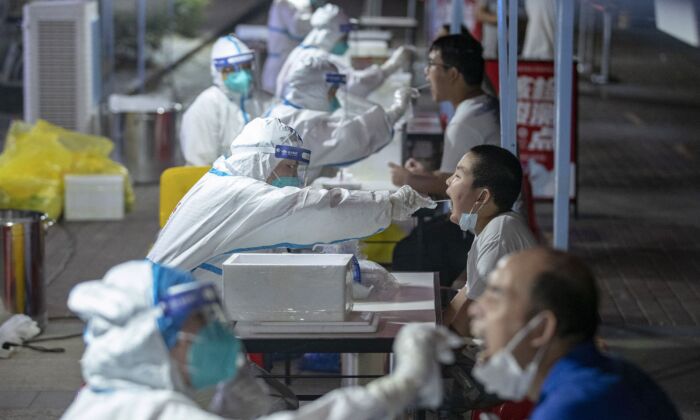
454 218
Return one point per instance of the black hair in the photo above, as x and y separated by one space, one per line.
462 30
498 170
568 289
464 53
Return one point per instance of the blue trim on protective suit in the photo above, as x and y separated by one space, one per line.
216 270
101 390
218 172
235 44
290 103
308 47
285 32
246 117
209 267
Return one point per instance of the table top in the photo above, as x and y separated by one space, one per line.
417 300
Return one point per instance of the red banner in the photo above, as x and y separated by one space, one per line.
535 123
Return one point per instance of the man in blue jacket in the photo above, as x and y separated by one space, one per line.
538 318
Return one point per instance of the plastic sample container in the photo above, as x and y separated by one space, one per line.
288 287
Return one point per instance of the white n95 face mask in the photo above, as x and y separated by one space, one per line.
502 375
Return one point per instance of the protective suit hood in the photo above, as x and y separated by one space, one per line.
228 51
124 345
327 24
306 87
253 151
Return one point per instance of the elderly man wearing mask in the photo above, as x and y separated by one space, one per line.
328 37
538 318
155 336
335 138
239 205
219 113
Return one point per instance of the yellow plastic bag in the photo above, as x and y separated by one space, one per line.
90 156
36 158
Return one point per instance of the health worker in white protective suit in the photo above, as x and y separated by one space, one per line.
329 38
155 336
310 106
219 113
288 23
251 201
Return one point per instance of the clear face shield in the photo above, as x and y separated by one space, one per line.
238 73
206 347
342 46
291 171
336 83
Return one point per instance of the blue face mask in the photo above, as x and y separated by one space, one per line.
286 181
467 221
239 82
212 356
334 104
340 48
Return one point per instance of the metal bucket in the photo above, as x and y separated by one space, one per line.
22 263
145 131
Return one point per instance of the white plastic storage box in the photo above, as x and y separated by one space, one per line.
288 287
94 197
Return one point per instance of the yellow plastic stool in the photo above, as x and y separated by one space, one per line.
174 184
380 247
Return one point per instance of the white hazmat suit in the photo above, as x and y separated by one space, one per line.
287 25
233 209
129 372
333 138
218 114
330 26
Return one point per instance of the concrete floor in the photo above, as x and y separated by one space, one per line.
638 228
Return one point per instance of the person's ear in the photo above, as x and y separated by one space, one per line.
453 74
546 330
484 196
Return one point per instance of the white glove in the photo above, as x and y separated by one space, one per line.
398 58
16 330
402 97
406 201
419 349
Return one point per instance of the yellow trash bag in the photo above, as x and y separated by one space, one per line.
90 156
36 157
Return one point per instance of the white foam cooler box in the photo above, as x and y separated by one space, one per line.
288 287
94 197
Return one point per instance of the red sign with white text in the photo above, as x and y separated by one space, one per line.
535 123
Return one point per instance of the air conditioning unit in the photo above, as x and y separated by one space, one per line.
62 72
